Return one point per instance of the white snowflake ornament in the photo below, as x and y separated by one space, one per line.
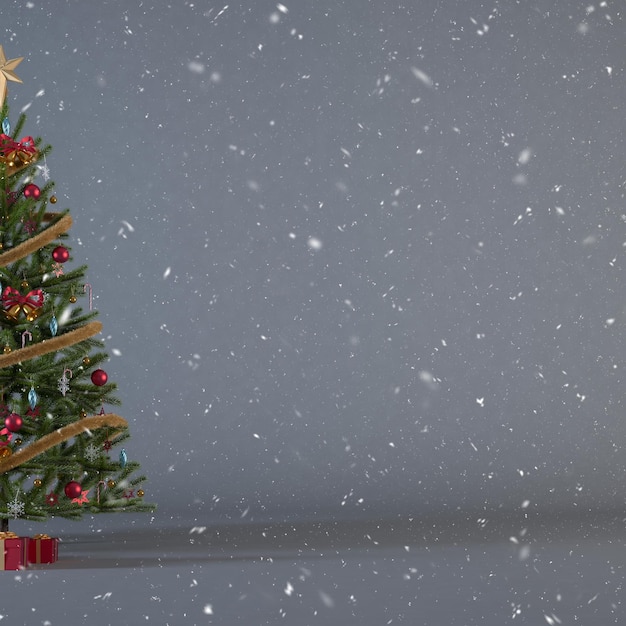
15 507
44 169
91 453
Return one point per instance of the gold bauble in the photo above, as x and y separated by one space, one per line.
18 441
5 452
140 493
25 284
86 360
6 349
53 199
83 414
37 482
73 299
110 484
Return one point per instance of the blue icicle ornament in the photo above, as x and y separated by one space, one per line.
54 326
32 398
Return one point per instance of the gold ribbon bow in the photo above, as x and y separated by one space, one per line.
7 535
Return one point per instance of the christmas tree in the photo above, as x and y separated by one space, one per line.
60 449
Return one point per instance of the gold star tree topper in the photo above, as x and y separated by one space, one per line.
7 73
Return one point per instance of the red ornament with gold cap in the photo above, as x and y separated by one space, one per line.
99 378
60 254
14 422
73 489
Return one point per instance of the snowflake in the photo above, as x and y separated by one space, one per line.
64 385
45 170
91 453
15 507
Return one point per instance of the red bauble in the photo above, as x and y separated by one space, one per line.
73 489
32 191
13 422
99 378
60 254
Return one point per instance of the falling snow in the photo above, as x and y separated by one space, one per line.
314 243
361 278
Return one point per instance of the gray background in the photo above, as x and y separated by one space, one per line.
351 258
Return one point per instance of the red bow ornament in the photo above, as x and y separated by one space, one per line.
17 155
5 432
15 303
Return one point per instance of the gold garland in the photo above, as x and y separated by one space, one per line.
109 420
50 345
38 241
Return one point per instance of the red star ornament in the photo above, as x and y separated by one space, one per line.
34 413
52 499
57 269
83 498
30 226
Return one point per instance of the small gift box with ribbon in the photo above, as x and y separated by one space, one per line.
16 155
12 551
43 549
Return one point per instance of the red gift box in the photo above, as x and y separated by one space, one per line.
43 549
12 551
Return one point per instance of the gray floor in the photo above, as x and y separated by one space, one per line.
468 571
